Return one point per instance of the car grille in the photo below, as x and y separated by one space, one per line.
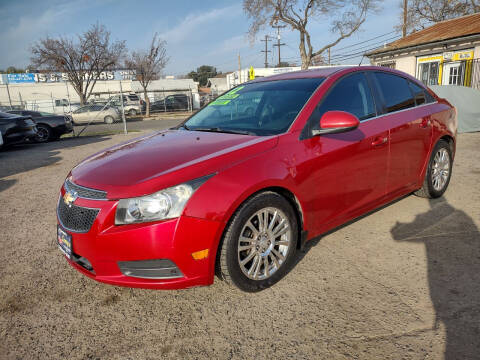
76 218
84 192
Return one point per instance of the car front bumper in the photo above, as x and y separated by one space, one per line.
112 251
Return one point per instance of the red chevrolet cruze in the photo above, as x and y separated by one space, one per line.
241 185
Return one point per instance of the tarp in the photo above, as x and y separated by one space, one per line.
467 102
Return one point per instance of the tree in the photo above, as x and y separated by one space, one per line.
14 70
83 59
148 65
202 74
346 18
423 13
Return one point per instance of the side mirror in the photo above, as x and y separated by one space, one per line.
333 122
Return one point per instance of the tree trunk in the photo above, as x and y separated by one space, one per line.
303 53
83 99
147 103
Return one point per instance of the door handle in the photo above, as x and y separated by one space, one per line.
379 141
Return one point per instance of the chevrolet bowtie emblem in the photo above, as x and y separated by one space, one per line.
69 197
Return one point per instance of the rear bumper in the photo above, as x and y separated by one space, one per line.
19 135
107 247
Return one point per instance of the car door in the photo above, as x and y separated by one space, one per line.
81 115
346 171
410 130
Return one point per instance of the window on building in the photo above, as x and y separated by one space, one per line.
428 72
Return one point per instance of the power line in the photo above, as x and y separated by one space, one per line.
367 46
365 41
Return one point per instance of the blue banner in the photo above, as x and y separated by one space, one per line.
20 78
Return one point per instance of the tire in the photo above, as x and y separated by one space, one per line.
266 258
44 134
132 112
438 173
108 119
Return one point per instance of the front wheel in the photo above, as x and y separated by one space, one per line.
44 134
132 112
439 171
108 120
259 244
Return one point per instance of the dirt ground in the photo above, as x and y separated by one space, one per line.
401 283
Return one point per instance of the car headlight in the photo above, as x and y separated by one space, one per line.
165 204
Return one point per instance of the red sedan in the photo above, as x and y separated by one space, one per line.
241 185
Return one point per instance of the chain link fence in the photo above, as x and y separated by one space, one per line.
107 108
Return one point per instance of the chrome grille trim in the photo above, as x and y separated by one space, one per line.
85 193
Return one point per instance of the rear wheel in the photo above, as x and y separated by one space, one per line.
259 244
44 134
439 171
108 119
132 112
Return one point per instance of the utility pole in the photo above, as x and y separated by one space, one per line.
123 110
329 55
239 70
8 92
266 51
278 44
405 10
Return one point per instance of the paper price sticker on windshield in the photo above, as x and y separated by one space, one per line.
225 98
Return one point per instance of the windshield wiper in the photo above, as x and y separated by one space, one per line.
227 131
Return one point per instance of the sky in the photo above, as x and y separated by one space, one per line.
198 33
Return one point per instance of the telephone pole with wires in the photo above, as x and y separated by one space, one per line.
266 51
279 43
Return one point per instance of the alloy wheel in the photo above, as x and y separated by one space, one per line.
440 169
264 243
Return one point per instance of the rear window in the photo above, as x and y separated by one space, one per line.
396 92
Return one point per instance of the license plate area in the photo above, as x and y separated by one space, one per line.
64 242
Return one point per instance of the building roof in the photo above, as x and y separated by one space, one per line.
444 30
310 73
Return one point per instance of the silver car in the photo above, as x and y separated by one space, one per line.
95 112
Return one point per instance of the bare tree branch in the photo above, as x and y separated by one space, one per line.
345 16
149 65
83 60
423 13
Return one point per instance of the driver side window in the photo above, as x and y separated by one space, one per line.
351 94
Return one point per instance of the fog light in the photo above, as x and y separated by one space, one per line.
150 269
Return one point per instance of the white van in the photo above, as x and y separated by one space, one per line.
53 106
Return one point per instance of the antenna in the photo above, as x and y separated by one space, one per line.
360 63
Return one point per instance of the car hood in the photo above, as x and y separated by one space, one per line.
154 162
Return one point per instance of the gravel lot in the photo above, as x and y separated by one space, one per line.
401 283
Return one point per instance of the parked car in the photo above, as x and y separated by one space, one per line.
175 102
132 105
96 112
240 193
49 126
16 129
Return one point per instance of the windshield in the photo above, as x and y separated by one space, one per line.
263 108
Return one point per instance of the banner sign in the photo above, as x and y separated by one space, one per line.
60 77
20 78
